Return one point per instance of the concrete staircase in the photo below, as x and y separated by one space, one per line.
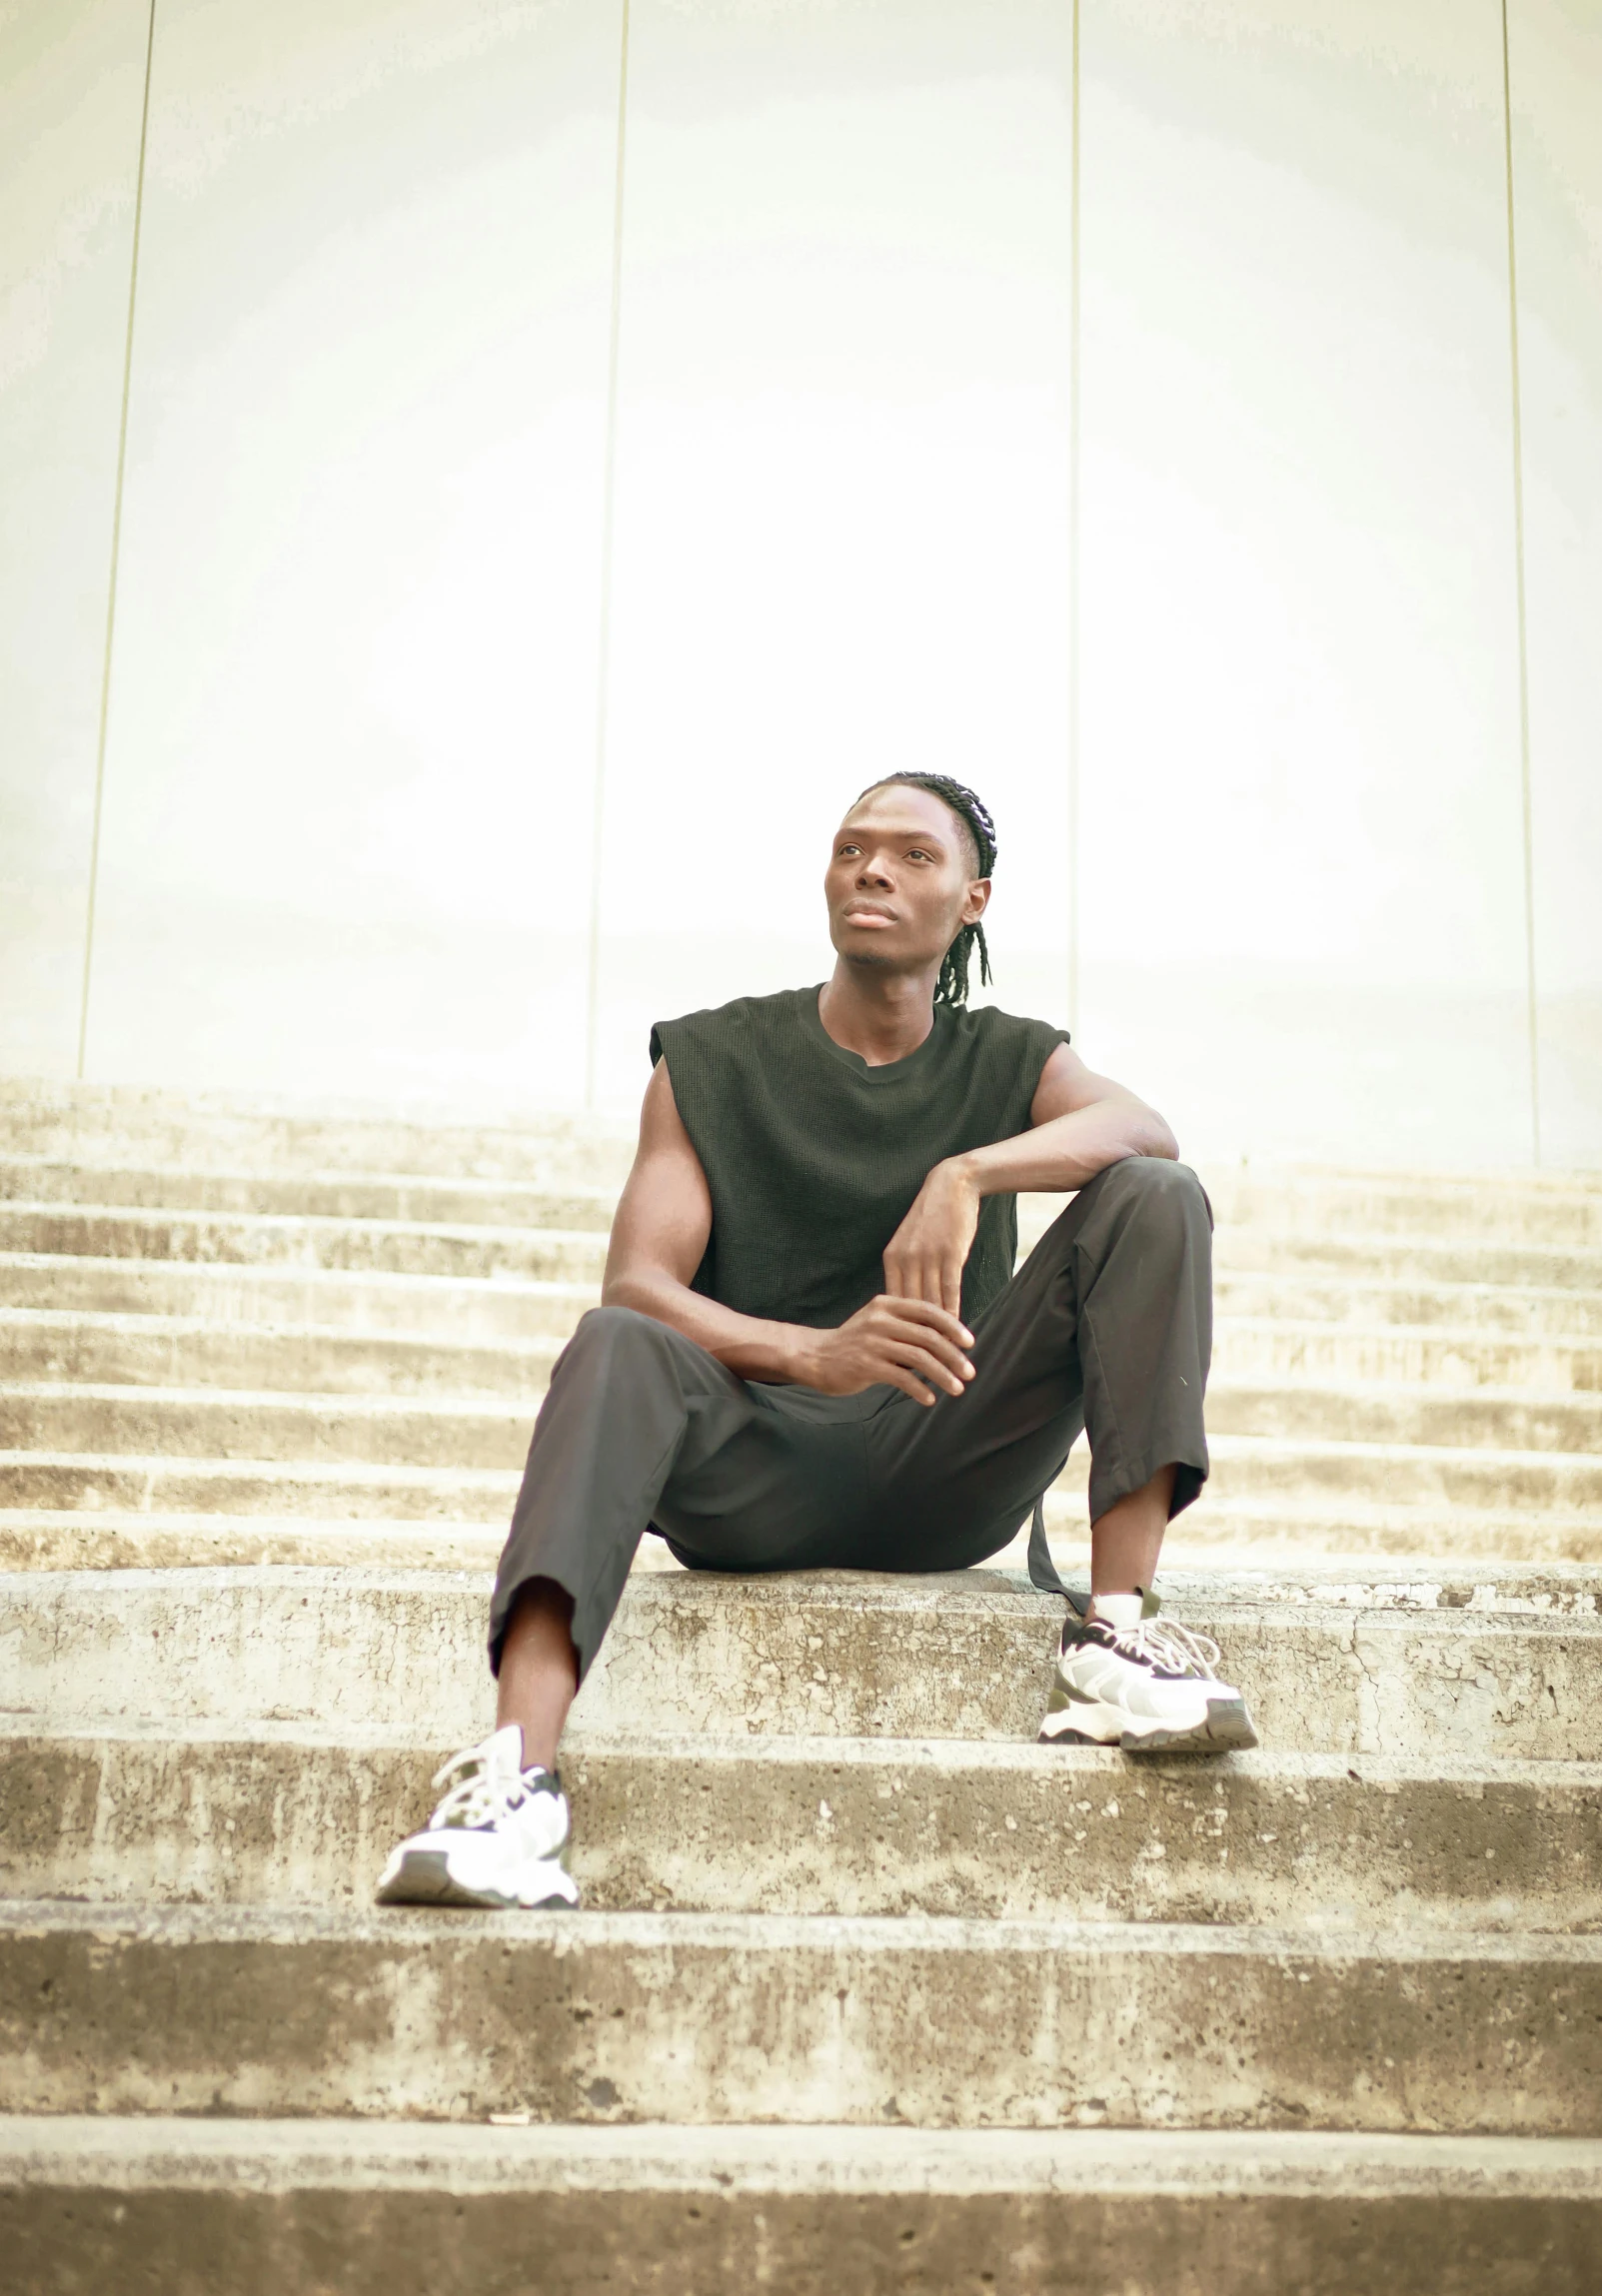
871 1992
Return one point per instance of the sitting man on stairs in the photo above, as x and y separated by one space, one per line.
813 1353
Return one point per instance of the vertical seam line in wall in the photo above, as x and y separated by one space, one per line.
1532 1015
604 648
1072 858
116 549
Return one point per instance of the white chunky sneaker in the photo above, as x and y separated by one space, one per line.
497 1839
1132 1679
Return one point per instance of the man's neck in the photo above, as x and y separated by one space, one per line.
881 1014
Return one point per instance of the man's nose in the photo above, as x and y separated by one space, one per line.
873 869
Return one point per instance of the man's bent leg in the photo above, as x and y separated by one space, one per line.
630 1401
1124 1677
1126 1541
1141 1269
538 1677
1140 1263
1107 1328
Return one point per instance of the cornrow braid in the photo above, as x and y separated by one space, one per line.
974 816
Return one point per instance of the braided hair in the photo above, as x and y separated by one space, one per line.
974 816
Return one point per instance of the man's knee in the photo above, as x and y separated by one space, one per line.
1158 1189
608 1334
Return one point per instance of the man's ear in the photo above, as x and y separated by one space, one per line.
978 901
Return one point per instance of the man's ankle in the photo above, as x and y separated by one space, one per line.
1116 1606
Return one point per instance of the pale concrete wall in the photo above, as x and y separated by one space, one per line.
72 77
355 669
1556 55
352 731
1300 686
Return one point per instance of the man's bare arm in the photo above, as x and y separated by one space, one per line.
1080 1124
658 1236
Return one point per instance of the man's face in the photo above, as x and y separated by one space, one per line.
898 885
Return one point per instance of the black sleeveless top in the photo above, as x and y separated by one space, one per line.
814 1158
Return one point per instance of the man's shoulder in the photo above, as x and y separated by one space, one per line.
988 1026
751 1017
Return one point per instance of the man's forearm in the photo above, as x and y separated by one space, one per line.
752 1347
1071 1149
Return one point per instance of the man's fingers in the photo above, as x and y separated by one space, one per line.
930 1367
909 1279
955 1368
908 1333
914 1282
942 1319
895 1375
914 1339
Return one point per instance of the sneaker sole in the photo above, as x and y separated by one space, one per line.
425 1878
1227 1730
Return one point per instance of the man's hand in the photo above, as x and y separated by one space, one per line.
925 1256
901 1343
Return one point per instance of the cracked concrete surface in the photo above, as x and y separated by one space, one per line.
964 1657
866 1975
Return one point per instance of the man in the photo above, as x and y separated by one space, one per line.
812 1352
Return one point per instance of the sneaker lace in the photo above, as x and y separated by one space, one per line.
479 1794
1175 1649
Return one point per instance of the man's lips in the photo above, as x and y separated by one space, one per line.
856 915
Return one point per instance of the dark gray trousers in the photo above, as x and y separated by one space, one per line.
1105 1329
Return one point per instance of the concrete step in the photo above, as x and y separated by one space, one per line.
837 1653
270 1493
729 2017
1222 1534
123 1125
1378 1411
244 1254
1405 1260
1516 1311
235 1423
399 1247
473 1308
1422 1584
58 1342
55 1346
467 1250
1266 1545
59 1539
392 1196
1258 1486
1263 1470
477 1247
1423 1211
1464 1358
442 1431
487 1310
243 1132
288 1814
262 2207
1558 1211
47 1539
